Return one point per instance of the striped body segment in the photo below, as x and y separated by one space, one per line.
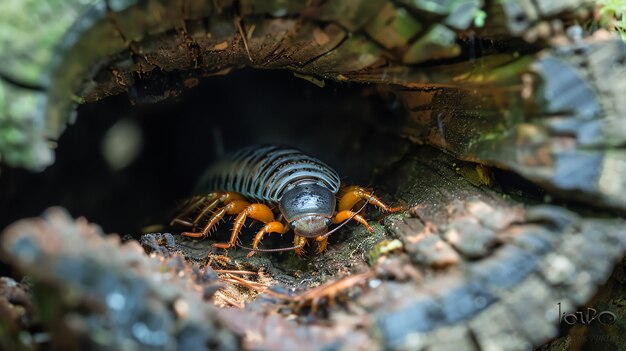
265 173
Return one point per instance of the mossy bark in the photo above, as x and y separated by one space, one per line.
498 86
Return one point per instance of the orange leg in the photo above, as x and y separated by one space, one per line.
210 202
322 242
256 211
224 198
208 208
190 206
298 243
271 227
353 194
232 207
343 215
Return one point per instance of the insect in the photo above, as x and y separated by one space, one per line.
304 191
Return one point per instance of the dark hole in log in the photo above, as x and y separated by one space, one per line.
352 127
480 255
182 136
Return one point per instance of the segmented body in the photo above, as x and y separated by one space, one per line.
303 188
265 173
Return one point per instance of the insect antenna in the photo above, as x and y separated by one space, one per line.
344 222
269 250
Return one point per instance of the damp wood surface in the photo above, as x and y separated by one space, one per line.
476 269
509 162
154 49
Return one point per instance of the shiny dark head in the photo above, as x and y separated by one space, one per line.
308 207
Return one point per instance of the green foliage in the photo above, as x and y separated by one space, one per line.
479 18
613 15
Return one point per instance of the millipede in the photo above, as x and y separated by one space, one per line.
257 181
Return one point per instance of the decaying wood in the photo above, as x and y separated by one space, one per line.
153 49
90 284
561 125
479 266
486 270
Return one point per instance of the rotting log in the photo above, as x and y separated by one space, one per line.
153 49
103 295
560 125
476 270
479 266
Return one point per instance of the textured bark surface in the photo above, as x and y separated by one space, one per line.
152 49
562 125
103 295
524 110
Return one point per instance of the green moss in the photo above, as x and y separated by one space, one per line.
479 18
29 32
613 16
382 248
